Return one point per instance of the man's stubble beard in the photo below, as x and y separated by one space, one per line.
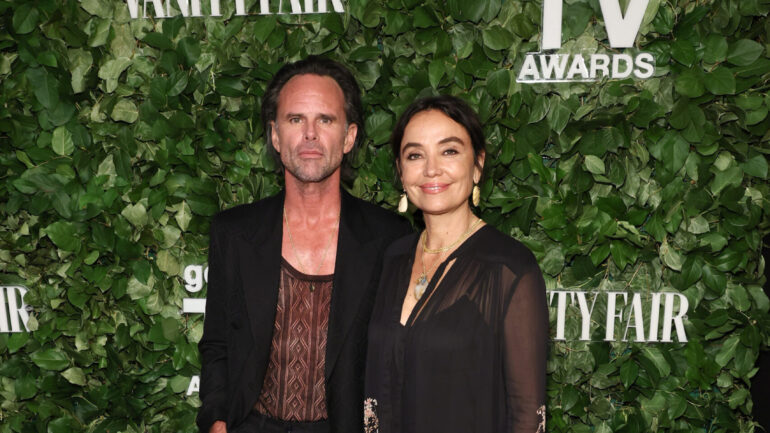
313 171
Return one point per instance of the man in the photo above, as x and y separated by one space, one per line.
292 277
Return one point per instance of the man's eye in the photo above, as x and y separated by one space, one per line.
450 152
294 120
325 120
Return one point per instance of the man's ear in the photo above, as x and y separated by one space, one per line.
274 137
350 137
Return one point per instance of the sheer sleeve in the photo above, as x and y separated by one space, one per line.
525 351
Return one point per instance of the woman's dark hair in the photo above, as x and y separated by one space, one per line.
317 66
455 108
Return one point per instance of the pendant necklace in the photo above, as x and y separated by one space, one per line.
323 255
421 283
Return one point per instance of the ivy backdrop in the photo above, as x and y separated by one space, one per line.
120 138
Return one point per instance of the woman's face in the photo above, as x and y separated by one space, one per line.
438 168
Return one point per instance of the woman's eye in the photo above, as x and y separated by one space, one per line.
411 156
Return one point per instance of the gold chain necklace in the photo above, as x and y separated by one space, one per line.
421 283
424 236
294 249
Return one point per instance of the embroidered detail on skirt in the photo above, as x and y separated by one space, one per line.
371 422
541 419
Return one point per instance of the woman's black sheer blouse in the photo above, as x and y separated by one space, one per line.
472 356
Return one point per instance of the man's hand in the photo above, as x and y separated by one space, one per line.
218 427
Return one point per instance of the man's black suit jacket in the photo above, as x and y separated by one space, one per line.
244 270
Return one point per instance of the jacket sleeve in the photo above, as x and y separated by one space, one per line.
213 344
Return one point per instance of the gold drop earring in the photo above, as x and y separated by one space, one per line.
476 195
403 203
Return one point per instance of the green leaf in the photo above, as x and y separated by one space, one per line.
558 117
671 150
136 214
75 376
189 48
463 10
690 83
539 109
50 359
137 290
594 164
715 49
98 8
744 52
183 216
45 86
112 69
25 18
61 425
629 371
125 111
654 405
730 177
683 51
497 38
720 81
498 82
80 62
698 225
655 355
423 18
553 262
25 387
738 397
158 40
61 141
670 257
64 235
756 166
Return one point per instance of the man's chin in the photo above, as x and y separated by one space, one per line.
311 176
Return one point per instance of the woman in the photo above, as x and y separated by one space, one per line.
458 336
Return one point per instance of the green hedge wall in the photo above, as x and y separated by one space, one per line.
121 137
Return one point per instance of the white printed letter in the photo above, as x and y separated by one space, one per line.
611 316
621 30
551 24
668 317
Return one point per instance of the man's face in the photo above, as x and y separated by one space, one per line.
310 130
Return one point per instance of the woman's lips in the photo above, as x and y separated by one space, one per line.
434 188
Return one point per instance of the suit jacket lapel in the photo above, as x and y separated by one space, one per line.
352 271
260 264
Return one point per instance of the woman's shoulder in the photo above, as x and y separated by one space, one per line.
494 245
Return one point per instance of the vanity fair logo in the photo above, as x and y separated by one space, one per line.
625 309
13 310
560 68
192 8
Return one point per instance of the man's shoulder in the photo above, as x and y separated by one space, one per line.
375 211
245 216
379 220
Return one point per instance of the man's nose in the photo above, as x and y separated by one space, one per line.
310 131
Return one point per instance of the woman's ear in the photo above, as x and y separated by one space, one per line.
479 166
